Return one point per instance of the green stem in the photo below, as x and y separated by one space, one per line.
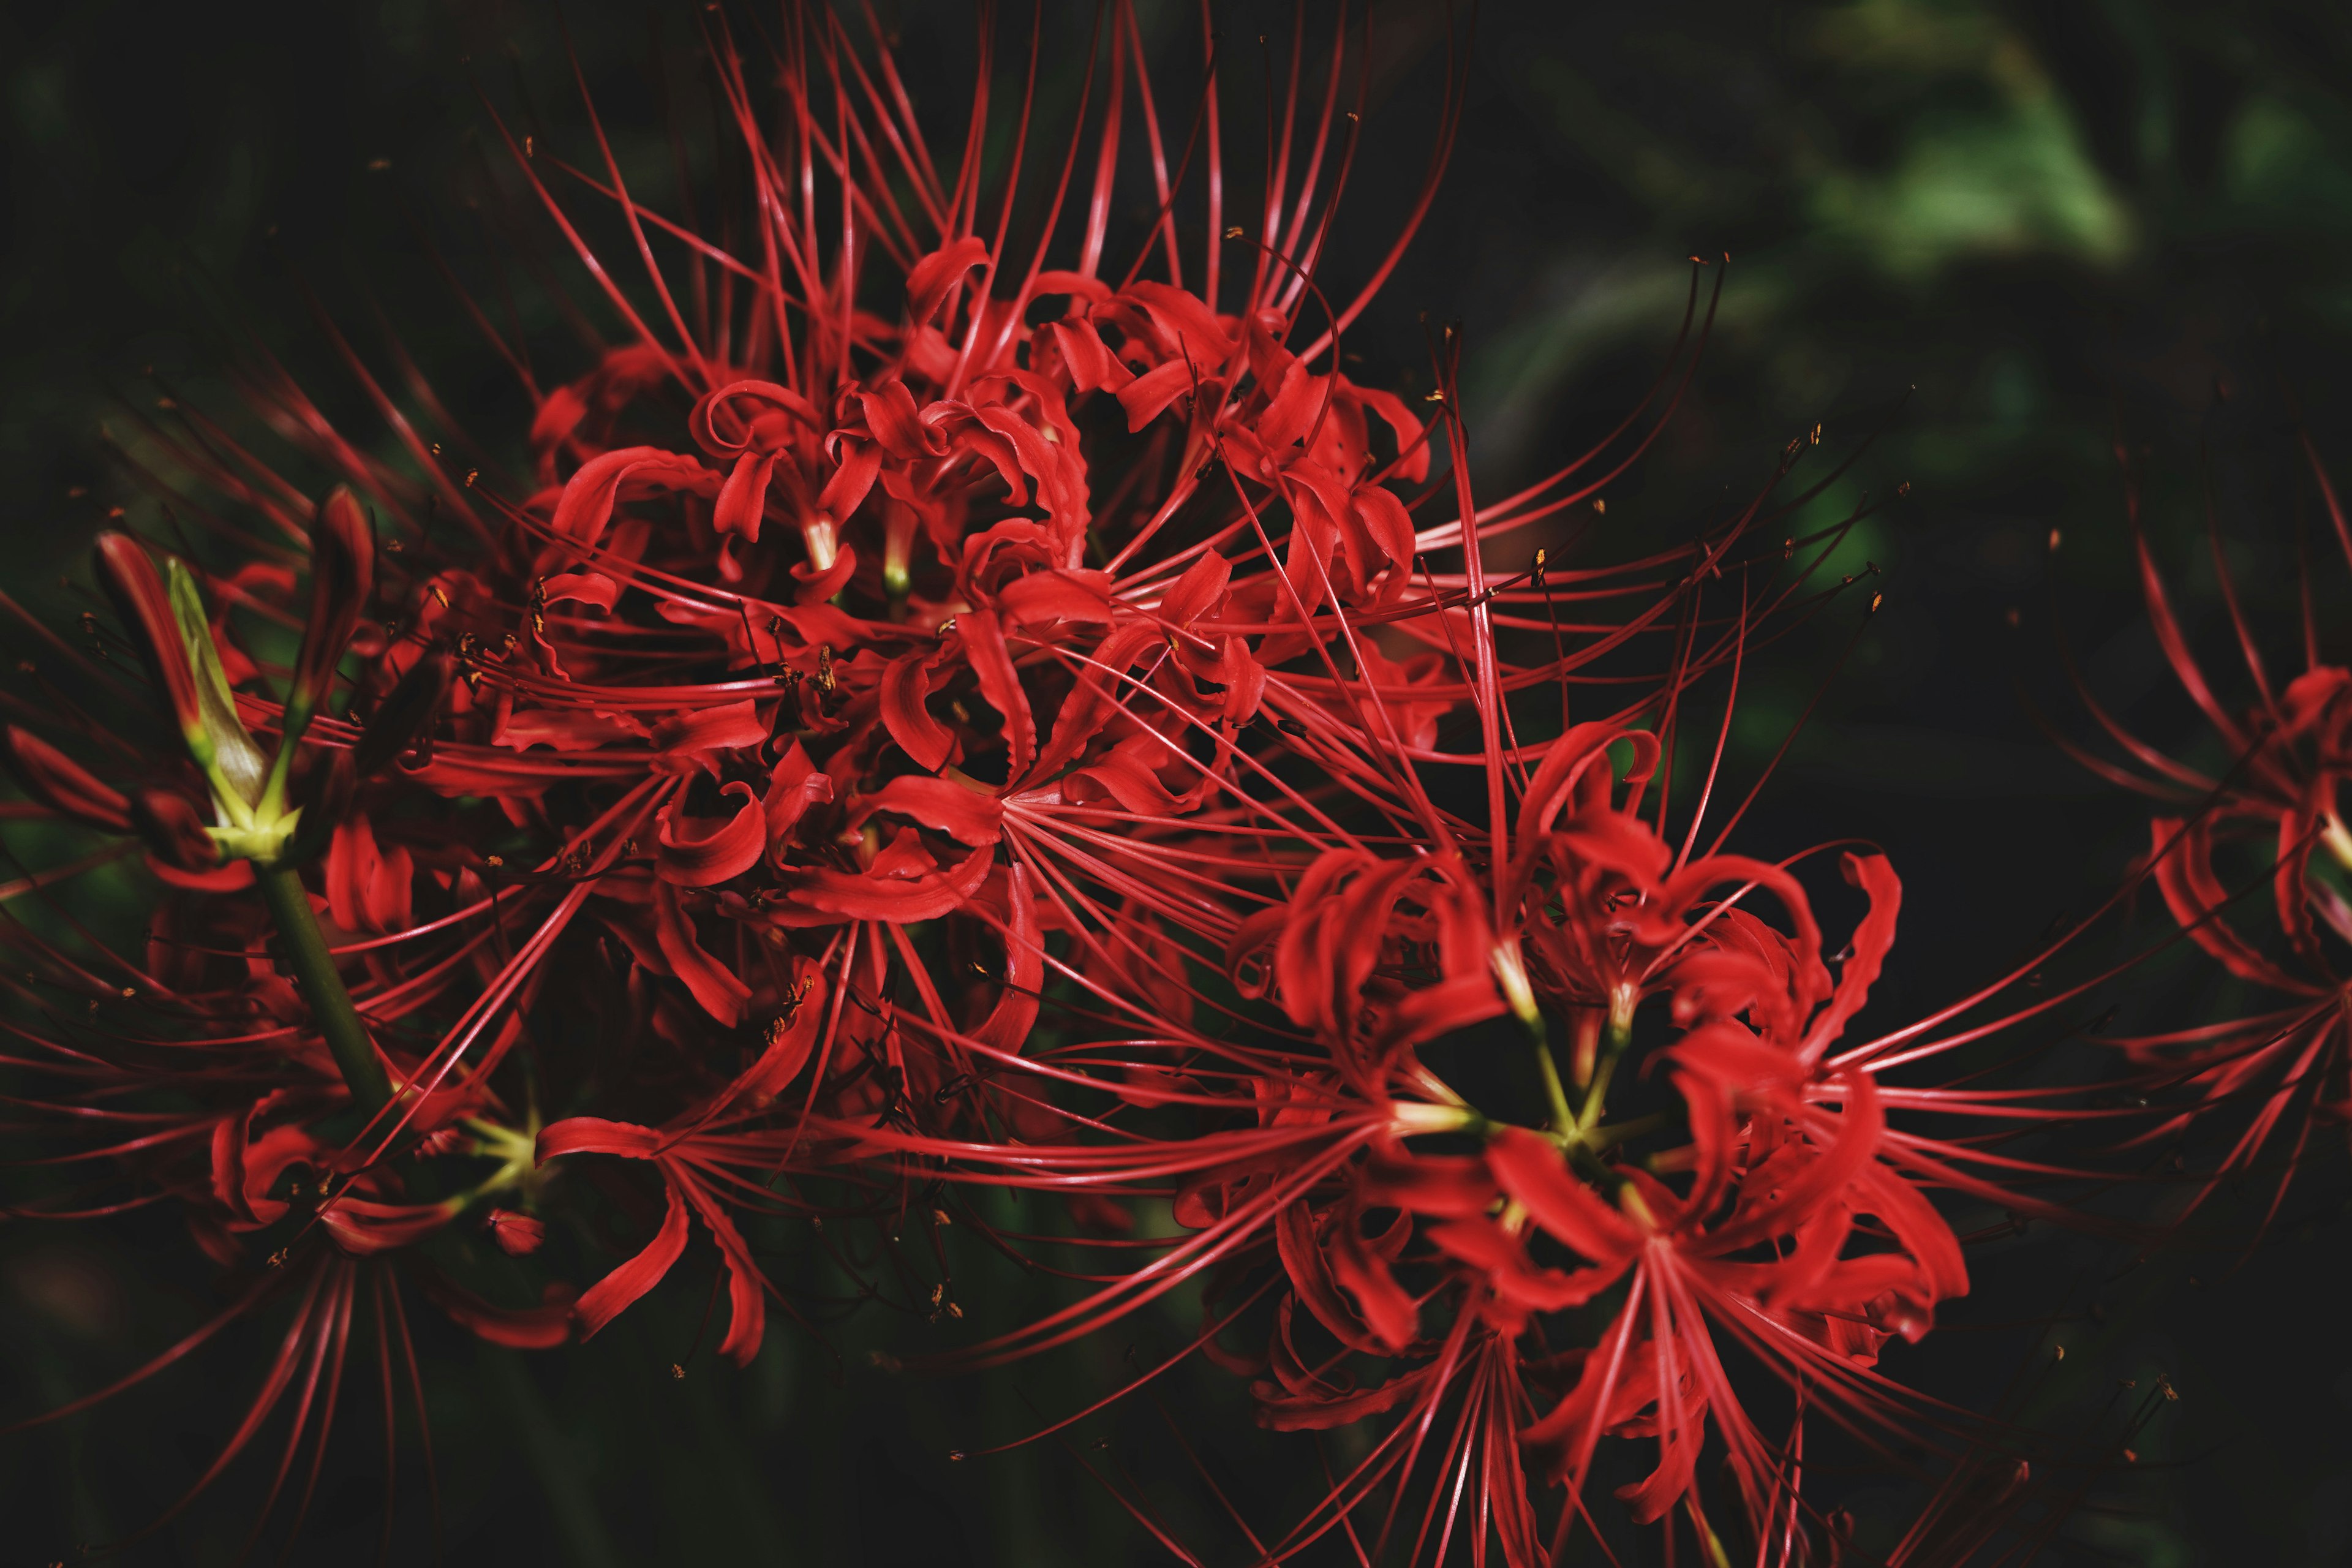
323 986
1555 1091
1596 1098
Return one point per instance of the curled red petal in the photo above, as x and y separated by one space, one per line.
580 588
342 579
791 1036
129 576
732 727
1531 1169
1387 1307
596 1135
929 280
1873 939
609 1297
1306 1264
62 785
747 1304
891 415
743 499
1000 684
846 490
539 1327
719 991
696 851
957 810
1008 1023
589 496
1203 584
2183 862
905 683
364 1228
901 899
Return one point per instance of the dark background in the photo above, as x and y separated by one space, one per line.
2055 221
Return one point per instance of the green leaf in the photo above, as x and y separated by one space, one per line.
236 759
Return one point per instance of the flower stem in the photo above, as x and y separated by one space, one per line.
1562 1119
323 986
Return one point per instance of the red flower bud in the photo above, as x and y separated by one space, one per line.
129 576
342 576
176 639
515 1234
59 782
407 715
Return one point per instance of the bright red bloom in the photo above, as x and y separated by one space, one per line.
925 716
2270 823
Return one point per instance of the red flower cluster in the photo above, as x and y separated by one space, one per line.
2270 822
932 719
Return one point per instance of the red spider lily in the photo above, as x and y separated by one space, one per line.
1382 948
2275 809
679 684
957 718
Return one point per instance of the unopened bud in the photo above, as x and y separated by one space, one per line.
342 579
407 715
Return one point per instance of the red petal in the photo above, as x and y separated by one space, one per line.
1043 597
1875 875
743 499
539 1327
1203 584
895 899
721 993
790 1038
1531 1168
1008 1023
696 851
580 588
1385 1304
2183 862
965 814
609 1297
586 504
342 579
1304 1262
929 280
129 576
890 415
735 727
1148 395
367 890
747 1304
906 682
595 1135
365 1229
845 491
175 833
59 782
1000 684
1385 518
